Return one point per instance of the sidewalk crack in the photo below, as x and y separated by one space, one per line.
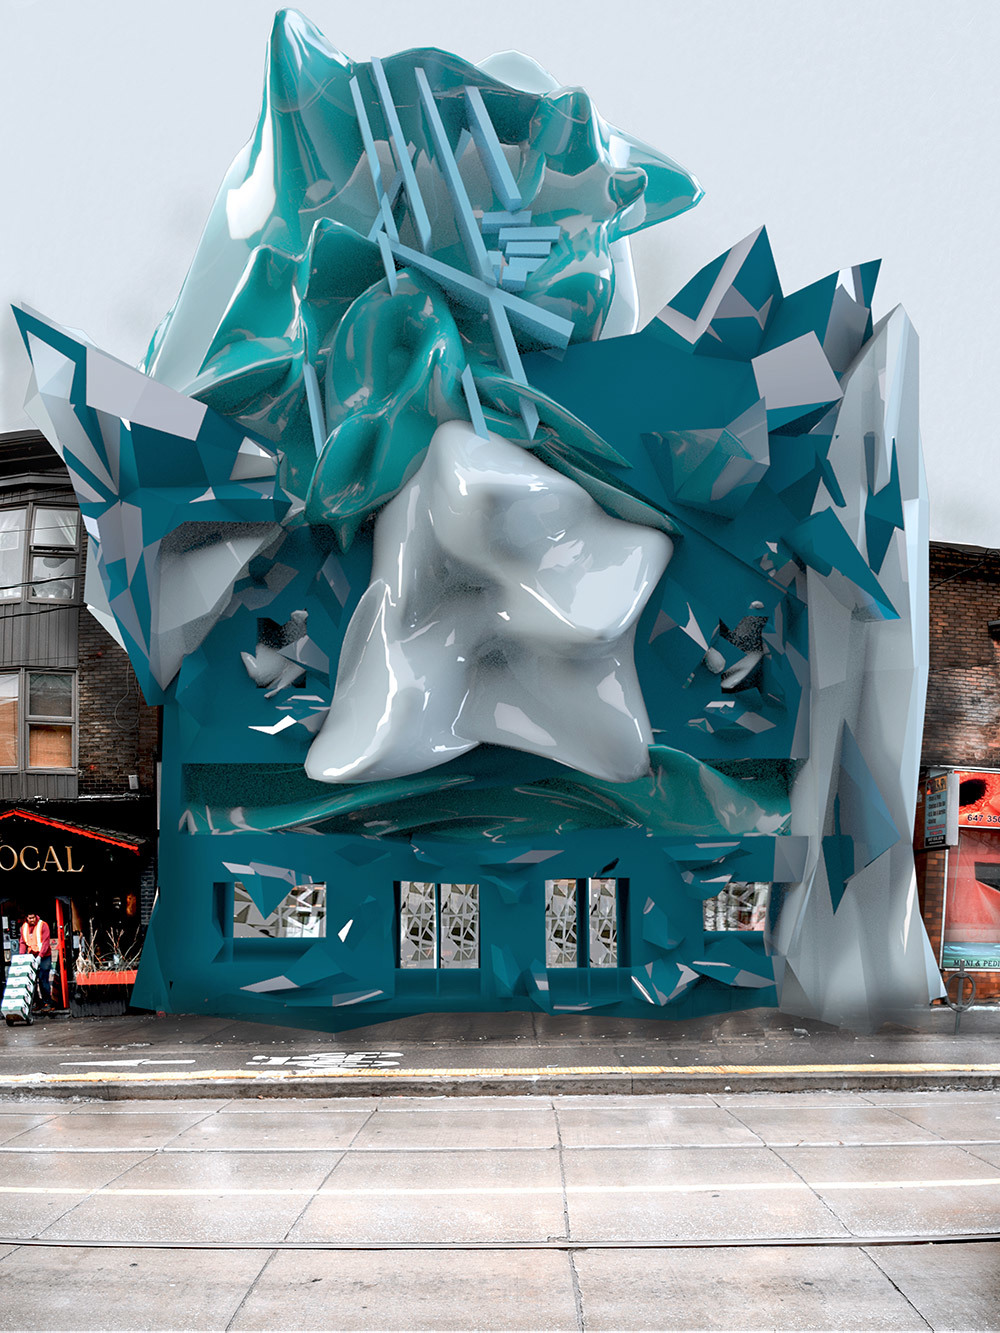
581 1320
895 1286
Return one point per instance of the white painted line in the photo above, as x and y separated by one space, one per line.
536 1073
500 1191
109 1064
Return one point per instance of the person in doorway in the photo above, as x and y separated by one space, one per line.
36 938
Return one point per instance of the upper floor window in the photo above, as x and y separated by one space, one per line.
38 553
37 716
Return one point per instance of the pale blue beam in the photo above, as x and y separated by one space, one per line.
417 209
491 150
528 249
545 327
518 271
464 218
388 262
529 234
385 219
474 405
494 221
315 405
367 138
510 358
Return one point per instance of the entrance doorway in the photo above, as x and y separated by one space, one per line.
57 913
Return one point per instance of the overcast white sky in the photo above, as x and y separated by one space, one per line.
854 129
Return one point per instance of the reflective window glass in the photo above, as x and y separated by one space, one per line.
417 924
438 925
11 552
8 721
52 578
301 914
50 695
581 923
602 897
740 906
459 925
55 528
561 923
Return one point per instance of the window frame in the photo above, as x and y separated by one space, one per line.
583 926
30 551
25 720
439 964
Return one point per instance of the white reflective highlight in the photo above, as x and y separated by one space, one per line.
501 610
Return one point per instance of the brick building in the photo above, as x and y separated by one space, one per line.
960 892
78 745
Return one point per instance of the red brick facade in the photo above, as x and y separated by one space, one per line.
962 727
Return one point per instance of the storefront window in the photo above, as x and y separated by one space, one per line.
438 925
581 922
972 901
301 915
740 906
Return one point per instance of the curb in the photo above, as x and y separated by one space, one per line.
637 1080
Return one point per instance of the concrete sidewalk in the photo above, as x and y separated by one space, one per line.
169 1057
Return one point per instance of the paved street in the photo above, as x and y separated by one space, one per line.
619 1172
145 1055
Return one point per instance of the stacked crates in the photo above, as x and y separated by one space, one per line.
19 992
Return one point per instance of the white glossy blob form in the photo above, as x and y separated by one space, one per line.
502 610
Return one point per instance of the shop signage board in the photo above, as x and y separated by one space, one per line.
941 819
978 799
977 958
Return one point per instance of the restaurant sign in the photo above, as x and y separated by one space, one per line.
29 857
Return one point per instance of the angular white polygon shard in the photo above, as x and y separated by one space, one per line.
501 610
867 960
794 374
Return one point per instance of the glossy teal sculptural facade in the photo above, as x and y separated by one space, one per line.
451 580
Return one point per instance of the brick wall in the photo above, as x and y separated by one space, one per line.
118 734
962 726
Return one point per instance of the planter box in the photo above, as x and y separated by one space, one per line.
104 978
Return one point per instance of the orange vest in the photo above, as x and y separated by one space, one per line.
32 938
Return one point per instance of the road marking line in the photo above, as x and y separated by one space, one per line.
112 1063
491 1191
285 1075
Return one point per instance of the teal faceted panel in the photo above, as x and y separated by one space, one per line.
503 643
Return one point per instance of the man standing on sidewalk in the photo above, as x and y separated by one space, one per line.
36 938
